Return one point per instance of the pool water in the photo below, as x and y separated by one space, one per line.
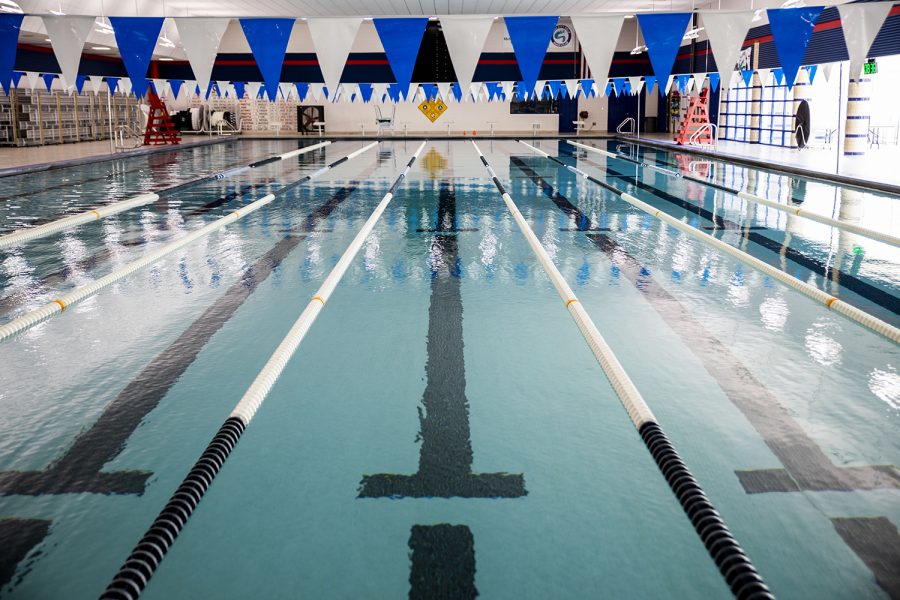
445 351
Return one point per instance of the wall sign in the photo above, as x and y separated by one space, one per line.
870 67
562 36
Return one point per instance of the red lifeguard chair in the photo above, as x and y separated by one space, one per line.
160 128
696 119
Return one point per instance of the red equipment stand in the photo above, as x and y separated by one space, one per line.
160 128
697 117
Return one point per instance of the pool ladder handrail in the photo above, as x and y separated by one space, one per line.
695 137
627 121
126 131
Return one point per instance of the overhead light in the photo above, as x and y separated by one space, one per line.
58 13
101 48
166 58
11 4
793 4
629 16
639 50
757 16
103 27
10 9
166 42
693 34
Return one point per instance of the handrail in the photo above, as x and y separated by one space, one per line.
712 127
140 565
21 236
851 227
627 121
58 305
832 302
735 567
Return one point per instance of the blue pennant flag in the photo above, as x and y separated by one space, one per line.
663 33
401 39
393 92
431 91
48 80
530 37
213 86
10 24
779 75
522 91
610 89
268 39
714 80
302 90
748 76
619 85
570 93
457 91
365 90
136 38
325 91
239 88
811 71
16 77
493 90
261 93
682 82
650 81
79 82
176 84
792 29
587 86
112 83
554 89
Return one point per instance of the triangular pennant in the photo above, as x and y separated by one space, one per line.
587 87
48 80
457 92
714 79
475 90
747 75
682 82
16 78
778 73
811 71
669 83
32 78
365 92
465 36
253 90
222 86
618 84
492 89
792 30
160 86
861 22
332 39
826 71
190 88
175 84
201 38
444 91
726 31
530 37
649 82
572 87
663 33
554 89
136 38
286 90
763 75
10 25
112 84
539 87
380 90
79 83
508 87
598 36
302 91
67 37
213 86
636 83
393 92
401 39
697 81
430 90
268 39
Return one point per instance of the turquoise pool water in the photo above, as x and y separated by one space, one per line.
446 344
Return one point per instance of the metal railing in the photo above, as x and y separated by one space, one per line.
712 128
629 121
125 132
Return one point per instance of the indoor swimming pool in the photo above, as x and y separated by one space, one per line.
444 419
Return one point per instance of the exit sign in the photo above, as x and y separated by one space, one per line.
871 67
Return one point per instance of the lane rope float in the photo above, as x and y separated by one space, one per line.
795 210
27 234
56 306
733 563
149 552
831 302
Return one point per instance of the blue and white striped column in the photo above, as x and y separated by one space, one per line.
755 107
856 129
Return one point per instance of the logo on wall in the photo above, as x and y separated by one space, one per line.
745 59
433 109
562 36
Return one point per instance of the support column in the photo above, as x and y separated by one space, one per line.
856 134
755 107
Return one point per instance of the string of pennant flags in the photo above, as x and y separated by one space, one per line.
465 35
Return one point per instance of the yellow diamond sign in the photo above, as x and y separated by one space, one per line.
433 109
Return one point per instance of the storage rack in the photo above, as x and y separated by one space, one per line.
38 117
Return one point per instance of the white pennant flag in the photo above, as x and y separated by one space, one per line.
201 38
160 85
598 36
571 87
223 87
286 89
190 88
125 86
764 76
465 37
669 84
474 91
378 91
349 90
444 91
861 23
826 70
539 89
508 87
333 39
253 89
67 36
316 89
726 32
637 82
32 78
96 82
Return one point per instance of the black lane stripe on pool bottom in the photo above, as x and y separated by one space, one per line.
876 541
445 456
442 563
78 470
17 539
733 564
806 467
829 273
